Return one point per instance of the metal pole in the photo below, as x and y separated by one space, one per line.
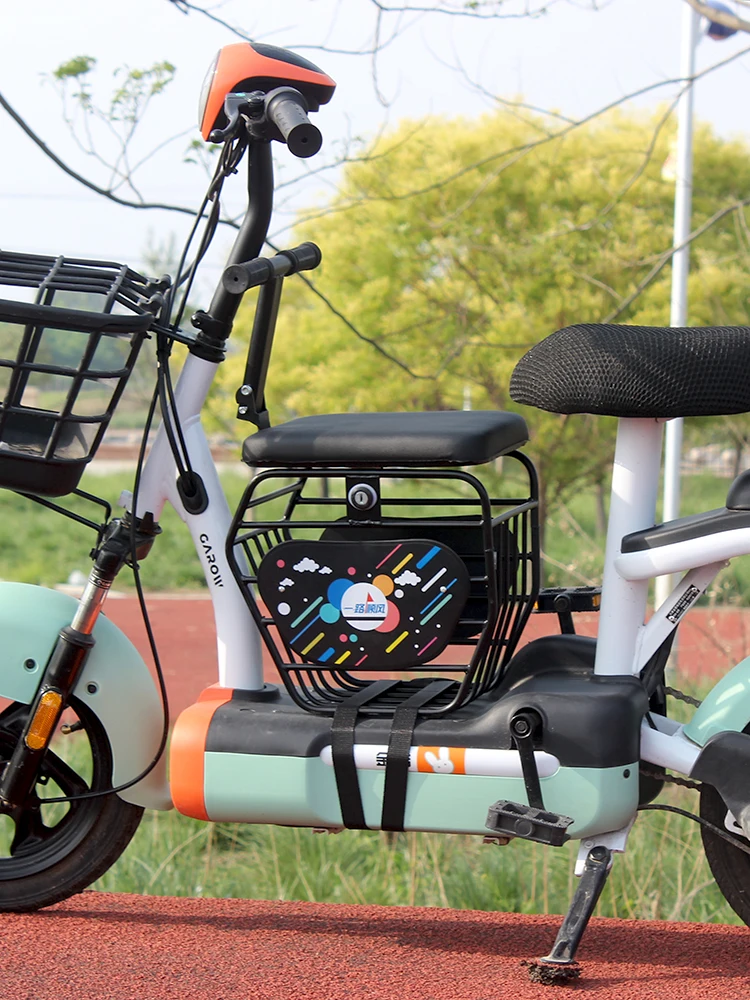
683 197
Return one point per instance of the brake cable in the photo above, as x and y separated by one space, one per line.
149 633
229 159
164 395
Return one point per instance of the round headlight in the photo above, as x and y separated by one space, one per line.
205 91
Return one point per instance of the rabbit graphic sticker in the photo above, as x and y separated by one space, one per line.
441 760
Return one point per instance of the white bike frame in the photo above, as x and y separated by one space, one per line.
239 657
625 641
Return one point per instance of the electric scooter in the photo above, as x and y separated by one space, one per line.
368 557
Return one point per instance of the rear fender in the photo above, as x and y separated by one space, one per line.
726 707
115 683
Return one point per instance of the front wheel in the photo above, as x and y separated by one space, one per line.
51 851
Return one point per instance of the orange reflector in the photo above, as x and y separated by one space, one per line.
44 720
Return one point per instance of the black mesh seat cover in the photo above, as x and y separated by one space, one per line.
637 371
436 438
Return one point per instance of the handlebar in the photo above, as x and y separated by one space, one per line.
237 278
286 108
285 111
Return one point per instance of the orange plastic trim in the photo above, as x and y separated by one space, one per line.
187 749
240 62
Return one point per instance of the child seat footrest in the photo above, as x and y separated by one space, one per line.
438 438
513 819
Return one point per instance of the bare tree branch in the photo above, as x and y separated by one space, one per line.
483 11
188 211
633 179
357 333
461 9
104 192
665 258
184 6
513 151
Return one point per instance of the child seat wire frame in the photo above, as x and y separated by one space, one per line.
65 359
500 542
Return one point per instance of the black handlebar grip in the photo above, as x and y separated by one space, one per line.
305 257
287 109
237 278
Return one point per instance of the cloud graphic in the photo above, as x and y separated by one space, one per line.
306 566
325 570
286 582
407 578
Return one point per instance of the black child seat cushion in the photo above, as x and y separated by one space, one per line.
435 438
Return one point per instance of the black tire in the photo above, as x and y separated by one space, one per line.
51 852
730 867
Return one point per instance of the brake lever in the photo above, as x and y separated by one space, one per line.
237 106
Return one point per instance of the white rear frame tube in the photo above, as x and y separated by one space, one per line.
239 651
670 614
672 750
635 480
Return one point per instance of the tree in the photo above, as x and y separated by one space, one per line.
453 263
468 303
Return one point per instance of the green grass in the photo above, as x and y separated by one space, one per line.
39 546
574 549
663 875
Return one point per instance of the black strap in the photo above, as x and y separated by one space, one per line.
342 751
399 745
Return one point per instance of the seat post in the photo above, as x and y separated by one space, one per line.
635 480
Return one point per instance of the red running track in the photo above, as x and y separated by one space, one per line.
109 947
710 641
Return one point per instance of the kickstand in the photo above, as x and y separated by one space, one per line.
560 965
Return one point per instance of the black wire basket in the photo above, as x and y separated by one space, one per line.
67 348
286 511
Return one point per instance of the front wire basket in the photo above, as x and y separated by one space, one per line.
66 352
497 539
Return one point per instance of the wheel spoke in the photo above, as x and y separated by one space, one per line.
30 830
68 780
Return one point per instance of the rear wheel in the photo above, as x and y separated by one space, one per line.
729 866
49 851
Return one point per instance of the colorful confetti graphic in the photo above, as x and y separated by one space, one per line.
388 603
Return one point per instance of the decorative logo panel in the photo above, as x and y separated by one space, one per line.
366 604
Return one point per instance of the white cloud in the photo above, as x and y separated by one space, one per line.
286 582
325 570
407 578
306 566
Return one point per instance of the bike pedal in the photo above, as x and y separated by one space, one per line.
512 819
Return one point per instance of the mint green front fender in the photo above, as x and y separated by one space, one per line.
115 683
725 707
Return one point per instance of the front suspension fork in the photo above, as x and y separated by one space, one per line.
64 666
